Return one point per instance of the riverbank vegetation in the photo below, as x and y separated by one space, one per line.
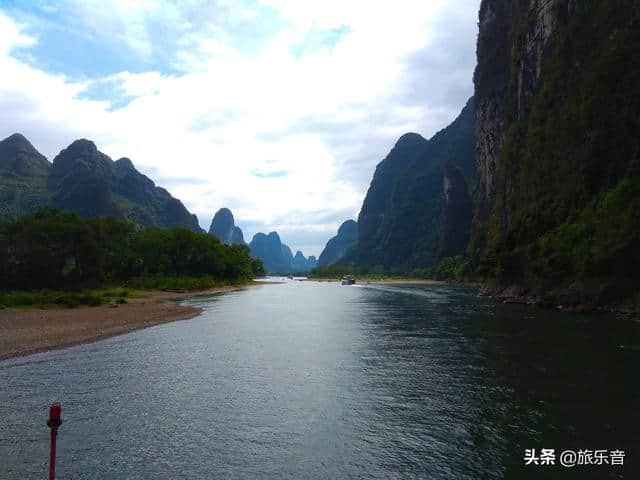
66 299
378 273
57 258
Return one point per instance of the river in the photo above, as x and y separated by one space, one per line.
308 380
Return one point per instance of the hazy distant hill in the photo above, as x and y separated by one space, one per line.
223 226
277 257
85 181
301 264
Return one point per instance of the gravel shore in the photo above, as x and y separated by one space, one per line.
23 332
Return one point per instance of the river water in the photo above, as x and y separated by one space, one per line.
307 380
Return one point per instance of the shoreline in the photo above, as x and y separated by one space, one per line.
520 295
28 331
399 281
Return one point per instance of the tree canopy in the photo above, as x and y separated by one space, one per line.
52 249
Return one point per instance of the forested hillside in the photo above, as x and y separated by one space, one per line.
402 219
85 181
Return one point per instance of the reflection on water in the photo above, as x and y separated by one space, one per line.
316 380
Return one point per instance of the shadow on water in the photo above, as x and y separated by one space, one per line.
310 380
514 378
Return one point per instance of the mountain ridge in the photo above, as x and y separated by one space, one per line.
83 180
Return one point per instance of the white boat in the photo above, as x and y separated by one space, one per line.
348 280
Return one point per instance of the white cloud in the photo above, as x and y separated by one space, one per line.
11 36
326 118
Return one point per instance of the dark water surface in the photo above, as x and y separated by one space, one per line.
312 380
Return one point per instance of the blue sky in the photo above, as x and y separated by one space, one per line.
277 109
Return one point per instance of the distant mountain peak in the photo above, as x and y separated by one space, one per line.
277 256
225 212
348 227
17 143
17 139
19 158
125 164
302 264
82 146
87 182
405 203
410 139
223 226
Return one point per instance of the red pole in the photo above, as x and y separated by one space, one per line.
53 423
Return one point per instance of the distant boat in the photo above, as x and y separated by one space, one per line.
348 280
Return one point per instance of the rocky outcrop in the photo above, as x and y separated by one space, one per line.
338 246
399 225
85 181
223 226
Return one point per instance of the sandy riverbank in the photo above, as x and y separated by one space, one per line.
23 332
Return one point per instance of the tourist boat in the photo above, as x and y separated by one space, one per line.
348 280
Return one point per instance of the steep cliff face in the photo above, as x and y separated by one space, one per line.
513 38
399 223
455 229
287 255
338 246
223 226
558 140
85 181
407 150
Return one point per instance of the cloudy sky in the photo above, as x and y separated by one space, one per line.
277 109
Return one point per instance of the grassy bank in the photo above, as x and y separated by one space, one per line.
183 283
62 299
95 297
